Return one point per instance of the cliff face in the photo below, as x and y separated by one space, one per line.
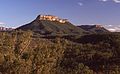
48 24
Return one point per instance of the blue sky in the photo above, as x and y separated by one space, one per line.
18 12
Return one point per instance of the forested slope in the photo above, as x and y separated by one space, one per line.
21 52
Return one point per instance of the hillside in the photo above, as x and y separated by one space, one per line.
51 25
94 28
20 52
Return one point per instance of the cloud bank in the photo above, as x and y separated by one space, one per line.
116 1
113 28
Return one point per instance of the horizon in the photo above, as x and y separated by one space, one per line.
106 12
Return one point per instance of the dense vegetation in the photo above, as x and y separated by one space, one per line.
26 53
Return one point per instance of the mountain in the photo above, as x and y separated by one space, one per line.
48 24
94 28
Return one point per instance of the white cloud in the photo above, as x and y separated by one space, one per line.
110 25
103 0
80 4
113 28
117 29
116 1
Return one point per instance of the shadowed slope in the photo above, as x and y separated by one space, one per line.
94 28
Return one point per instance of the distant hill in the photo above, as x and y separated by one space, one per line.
94 28
48 24
5 29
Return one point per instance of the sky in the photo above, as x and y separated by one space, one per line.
14 13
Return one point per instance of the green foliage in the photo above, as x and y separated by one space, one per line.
21 52
25 56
